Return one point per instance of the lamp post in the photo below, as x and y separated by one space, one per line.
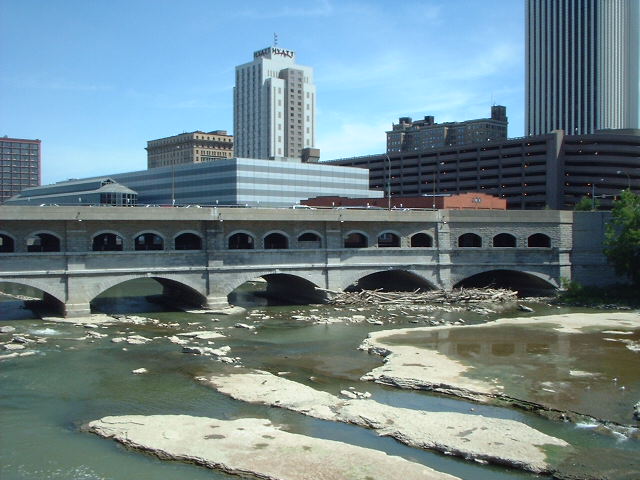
388 181
620 172
593 194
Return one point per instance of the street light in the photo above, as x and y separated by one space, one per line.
593 194
620 172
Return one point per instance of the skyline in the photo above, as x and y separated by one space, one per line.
95 81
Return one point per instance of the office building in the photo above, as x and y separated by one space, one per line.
231 181
412 136
19 165
553 170
192 147
582 61
274 106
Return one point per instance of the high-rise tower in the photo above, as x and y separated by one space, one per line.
582 65
274 106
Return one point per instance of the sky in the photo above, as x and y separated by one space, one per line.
96 79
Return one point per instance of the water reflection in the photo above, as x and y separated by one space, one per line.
590 373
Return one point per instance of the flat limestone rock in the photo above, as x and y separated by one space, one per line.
414 367
499 441
256 447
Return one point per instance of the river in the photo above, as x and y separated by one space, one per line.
46 397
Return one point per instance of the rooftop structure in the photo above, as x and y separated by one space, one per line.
412 136
93 191
192 147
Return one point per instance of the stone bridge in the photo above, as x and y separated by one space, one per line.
200 255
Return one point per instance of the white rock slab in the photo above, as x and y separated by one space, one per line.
500 441
255 446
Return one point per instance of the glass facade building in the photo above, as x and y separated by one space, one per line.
19 165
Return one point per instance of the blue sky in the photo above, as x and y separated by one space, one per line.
96 79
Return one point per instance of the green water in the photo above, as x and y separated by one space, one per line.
45 398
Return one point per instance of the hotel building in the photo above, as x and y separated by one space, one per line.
274 102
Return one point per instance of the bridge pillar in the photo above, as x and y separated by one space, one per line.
217 301
75 310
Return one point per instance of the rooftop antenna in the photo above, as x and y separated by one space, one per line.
275 39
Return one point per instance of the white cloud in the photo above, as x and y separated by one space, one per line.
317 8
353 139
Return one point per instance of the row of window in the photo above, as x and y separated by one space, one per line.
46 242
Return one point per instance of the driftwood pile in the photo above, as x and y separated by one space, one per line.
417 297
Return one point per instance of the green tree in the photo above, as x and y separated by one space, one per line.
585 205
622 236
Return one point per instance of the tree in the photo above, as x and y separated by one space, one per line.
586 204
622 236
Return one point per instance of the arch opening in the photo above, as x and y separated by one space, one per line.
309 240
43 242
19 301
188 241
526 284
149 241
391 281
539 240
469 240
7 245
277 289
356 240
504 240
276 241
148 294
240 241
388 240
421 240
107 242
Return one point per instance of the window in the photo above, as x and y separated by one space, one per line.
149 241
107 242
388 239
43 242
276 241
539 240
6 244
240 241
188 241
468 240
421 240
504 240
355 240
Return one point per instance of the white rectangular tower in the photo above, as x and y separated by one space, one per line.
582 65
274 106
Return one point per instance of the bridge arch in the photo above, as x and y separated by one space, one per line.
393 279
520 280
107 240
421 240
187 240
54 298
149 240
7 242
43 241
290 287
275 240
389 239
185 289
356 239
240 240
309 239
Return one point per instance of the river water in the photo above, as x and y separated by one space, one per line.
45 398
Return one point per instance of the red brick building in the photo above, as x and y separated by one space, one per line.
463 201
